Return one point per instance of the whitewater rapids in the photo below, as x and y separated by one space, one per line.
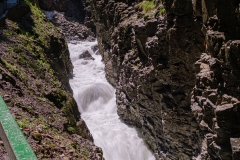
97 103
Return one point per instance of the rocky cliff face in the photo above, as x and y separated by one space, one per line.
216 95
175 65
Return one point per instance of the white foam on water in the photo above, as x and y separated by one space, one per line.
97 103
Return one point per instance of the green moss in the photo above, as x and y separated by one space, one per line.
42 99
7 33
150 9
86 152
70 129
68 112
147 5
29 108
13 69
162 11
23 123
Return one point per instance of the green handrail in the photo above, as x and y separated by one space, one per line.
14 141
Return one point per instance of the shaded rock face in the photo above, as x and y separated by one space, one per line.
60 5
216 95
61 61
72 8
72 29
184 101
76 8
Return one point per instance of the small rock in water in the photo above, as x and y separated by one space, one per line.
86 56
89 58
84 62
73 42
94 48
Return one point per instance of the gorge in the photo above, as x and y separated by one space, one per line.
174 64
97 104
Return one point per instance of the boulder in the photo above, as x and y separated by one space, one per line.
86 56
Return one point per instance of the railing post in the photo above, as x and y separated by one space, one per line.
14 141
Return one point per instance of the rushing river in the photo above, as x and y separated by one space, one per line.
96 102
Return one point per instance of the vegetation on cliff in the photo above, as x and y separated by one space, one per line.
34 71
150 5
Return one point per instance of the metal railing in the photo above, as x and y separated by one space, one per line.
14 141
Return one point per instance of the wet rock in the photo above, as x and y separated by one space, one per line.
86 56
94 48
84 62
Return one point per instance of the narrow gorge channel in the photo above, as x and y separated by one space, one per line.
96 101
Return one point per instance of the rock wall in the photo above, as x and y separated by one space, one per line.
165 63
216 95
